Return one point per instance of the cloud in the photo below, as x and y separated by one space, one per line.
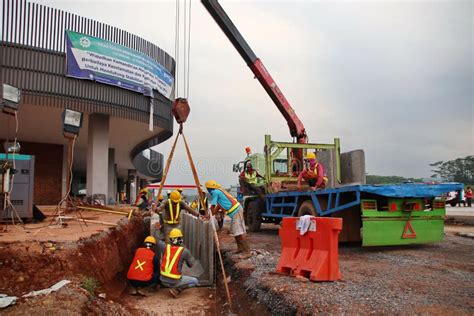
394 78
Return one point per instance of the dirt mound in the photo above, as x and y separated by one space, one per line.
103 256
70 300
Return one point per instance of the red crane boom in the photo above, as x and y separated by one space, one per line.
297 129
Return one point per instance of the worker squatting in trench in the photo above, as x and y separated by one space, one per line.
159 263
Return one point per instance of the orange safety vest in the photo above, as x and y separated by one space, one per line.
174 217
141 268
169 263
235 203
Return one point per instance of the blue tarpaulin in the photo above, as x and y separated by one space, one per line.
412 189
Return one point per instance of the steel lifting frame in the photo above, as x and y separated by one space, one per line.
274 149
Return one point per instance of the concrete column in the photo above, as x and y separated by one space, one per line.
98 155
64 172
112 179
132 177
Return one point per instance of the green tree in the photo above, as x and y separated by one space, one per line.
375 179
457 170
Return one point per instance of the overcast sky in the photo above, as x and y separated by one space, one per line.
394 78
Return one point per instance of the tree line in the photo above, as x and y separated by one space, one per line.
456 170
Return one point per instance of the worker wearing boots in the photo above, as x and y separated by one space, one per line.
221 199
143 271
174 255
171 210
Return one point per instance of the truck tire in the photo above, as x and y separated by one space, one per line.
254 216
307 208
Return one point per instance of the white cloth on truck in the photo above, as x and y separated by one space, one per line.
304 224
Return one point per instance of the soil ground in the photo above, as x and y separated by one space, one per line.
423 279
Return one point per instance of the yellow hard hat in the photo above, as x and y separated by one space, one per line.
310 156
175 196
212 184
176 233
151 240
160 197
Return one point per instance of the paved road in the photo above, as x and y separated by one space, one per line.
459 211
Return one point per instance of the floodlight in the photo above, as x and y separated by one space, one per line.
72 121
10 99
11 147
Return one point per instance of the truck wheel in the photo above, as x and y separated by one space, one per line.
254 217
453 203
307 208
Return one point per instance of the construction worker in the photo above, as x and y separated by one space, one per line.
468 195
143 200
171 212
160 198
144 269
221 200
248 180
313 172
173 257
202 206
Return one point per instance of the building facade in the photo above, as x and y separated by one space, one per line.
112 152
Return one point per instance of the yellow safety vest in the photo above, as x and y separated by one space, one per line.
201 206
251 178
169 266
174 217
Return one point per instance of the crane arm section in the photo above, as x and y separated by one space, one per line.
295 125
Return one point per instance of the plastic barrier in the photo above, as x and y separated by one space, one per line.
314 255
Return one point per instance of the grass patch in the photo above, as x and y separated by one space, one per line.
90 284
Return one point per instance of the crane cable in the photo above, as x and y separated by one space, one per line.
182 61
176 50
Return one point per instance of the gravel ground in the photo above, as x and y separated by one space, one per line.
426 279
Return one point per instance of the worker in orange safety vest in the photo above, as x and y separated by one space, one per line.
174 255
313 172
143 271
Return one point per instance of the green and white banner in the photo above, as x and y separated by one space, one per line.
96 59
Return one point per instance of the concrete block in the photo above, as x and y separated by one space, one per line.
353 167
199 239
328 159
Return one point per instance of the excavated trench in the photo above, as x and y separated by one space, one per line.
105 257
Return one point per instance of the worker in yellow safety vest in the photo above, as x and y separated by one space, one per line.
171 210
248 180
173 257
313 172
221 200
202 207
